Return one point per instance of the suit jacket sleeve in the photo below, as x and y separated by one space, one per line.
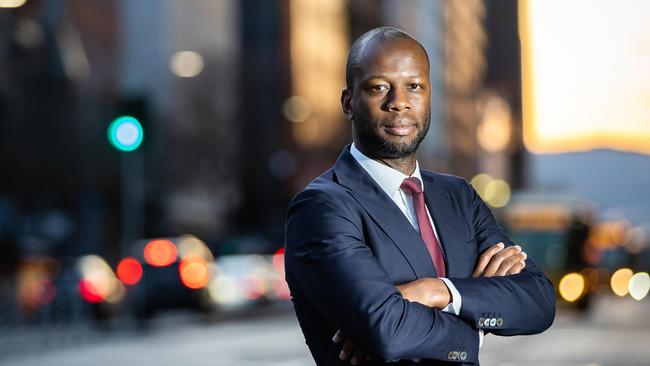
327 261
520 304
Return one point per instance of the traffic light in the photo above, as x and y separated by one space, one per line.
125 133
127 129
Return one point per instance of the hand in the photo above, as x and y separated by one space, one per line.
431 292
497 261
349 349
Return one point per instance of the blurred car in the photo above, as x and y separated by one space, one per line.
553 230
242 279
166 273
181 272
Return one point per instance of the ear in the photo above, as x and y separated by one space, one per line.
346 103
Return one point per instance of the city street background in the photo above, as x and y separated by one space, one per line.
149 150
617 332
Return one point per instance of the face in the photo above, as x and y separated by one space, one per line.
389 103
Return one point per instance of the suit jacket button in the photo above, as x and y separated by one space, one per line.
463 355
455 355
450 356
480 322
493 322
499 322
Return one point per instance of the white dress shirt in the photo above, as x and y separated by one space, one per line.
390 180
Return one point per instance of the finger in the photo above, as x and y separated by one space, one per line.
522 265
338 336
509 262
357 358
346 352
484 259
495 261
488 254
516 269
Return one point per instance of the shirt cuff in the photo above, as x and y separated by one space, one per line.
480 338
456 302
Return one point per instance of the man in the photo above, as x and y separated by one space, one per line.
396 263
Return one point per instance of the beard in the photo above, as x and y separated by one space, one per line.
382 147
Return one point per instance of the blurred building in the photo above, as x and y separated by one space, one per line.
239 105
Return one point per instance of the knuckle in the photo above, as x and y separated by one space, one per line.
501 256
513 250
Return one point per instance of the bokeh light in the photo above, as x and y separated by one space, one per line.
189 245
572 287
194 272
98 282
280 286
89 292
129 271
639 285
497 193
278 261
117 293
34 282
12 3
297 109
620 280
224 290
254 286
480 181
186 64
125 133
160 253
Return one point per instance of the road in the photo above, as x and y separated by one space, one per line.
617 332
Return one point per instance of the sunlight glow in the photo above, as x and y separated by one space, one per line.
585 78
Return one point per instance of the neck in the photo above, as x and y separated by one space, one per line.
405 164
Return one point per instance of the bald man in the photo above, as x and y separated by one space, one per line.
390 263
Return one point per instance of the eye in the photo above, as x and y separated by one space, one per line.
379 87
415 86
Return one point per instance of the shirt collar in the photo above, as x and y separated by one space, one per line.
387 178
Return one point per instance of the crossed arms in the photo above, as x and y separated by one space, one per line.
328 261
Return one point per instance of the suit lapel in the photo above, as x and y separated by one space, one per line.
441 208
385 213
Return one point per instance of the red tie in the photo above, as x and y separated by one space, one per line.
413 187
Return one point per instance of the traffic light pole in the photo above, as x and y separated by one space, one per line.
132 194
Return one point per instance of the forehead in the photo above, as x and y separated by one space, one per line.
393 58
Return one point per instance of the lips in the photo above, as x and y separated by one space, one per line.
400 130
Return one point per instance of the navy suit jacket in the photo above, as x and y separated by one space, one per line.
348 245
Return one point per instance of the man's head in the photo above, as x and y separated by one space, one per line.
388 95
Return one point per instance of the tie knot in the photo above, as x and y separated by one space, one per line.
411 185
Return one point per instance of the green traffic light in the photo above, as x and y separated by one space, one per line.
125 133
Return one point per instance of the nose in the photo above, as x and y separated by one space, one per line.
398 100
